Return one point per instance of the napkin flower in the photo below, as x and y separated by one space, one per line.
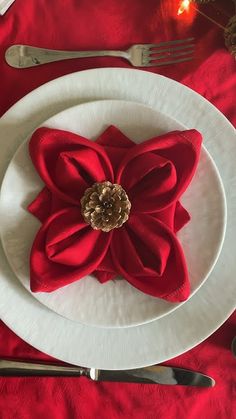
144 250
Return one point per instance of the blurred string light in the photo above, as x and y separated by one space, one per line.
186 5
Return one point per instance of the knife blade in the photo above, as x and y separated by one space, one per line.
156 374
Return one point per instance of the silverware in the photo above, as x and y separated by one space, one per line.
233 346
146 55
153 375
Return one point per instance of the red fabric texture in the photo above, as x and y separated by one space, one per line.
145 250
74 24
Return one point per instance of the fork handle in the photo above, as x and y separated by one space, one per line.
24 56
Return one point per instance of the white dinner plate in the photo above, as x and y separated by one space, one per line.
171 335
115 303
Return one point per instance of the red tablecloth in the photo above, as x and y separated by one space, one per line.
73 24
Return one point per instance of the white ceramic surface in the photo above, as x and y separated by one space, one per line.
115 303
157 341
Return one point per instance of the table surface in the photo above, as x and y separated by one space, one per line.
101 25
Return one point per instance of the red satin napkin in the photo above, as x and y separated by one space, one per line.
145 250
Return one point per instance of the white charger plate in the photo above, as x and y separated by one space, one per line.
116 303
157 341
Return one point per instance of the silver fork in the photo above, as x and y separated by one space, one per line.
140 55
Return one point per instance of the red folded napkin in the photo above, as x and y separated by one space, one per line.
145 250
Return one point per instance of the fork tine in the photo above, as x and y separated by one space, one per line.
158 57
159 64
166 43
151 51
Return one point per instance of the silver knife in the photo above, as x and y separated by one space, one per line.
156 374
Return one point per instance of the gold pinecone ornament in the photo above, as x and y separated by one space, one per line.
230 35
105 206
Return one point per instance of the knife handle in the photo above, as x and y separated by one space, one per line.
10 368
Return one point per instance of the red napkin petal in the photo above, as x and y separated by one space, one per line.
181 217
116 145
68 163
106 269
175 216
65 249
41 206
46 204
148 255
153 172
